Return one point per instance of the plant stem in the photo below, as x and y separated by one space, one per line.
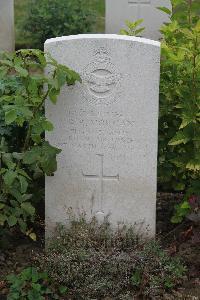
189 12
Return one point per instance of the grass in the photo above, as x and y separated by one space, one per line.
20 11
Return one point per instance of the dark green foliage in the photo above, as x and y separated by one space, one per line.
24 154
32 285
50 18
95 262
179 123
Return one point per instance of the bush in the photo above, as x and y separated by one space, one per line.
179 120
25 156
51 18
95 262
32 285
179 127
179 123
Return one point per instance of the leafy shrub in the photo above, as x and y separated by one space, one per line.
50 18
32 285
133 28
95 262
179 121
24 154
179 124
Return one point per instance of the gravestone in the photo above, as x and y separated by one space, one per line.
7 25
118 11
106 127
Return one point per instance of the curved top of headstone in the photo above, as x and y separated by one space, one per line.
103 36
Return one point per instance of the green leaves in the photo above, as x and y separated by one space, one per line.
24 155
17 113
28 208
165 10
179 124
31 284
22 72
44 156
133 29
10 116
9 177
12 220
182 210
53 94
179 138
39 125
62 75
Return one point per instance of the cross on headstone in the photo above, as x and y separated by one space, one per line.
139 4
101 177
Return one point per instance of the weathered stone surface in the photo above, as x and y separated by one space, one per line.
118 11
107 130
7 39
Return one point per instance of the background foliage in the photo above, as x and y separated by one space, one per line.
24 154
179 122
37 20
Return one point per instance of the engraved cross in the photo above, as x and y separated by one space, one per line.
101 177
139 4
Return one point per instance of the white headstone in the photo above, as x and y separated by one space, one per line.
7 39
118 11
106 127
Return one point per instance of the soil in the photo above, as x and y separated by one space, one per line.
182 239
